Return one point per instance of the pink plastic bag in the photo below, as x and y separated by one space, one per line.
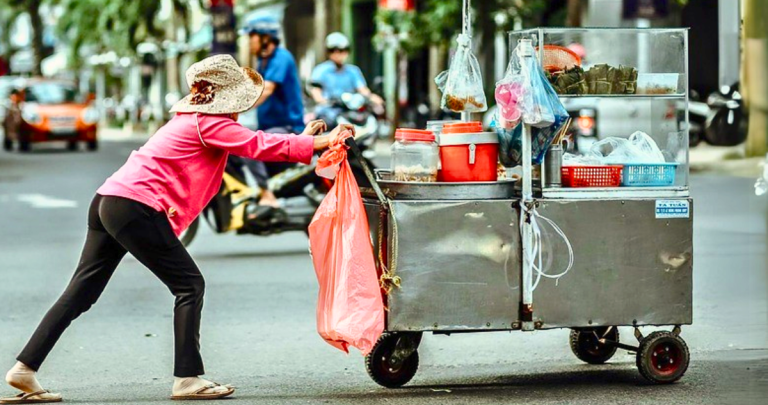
350 308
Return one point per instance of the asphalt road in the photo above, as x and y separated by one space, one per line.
259 318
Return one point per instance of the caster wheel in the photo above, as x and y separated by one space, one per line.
72 146
7 145
663 357
93 145
24 146
585 344
379 365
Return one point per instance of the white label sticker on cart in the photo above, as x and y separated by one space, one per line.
672 209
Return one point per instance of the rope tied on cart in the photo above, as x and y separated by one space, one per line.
535 256
388 279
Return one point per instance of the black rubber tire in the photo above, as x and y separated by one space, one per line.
188 236
7 145
25 146
72 146
669 367
376 364
93 145
585 346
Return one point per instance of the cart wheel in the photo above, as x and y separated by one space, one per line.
663 357
72 145
379 367
586 346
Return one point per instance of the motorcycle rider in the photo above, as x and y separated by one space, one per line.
335 77
280 109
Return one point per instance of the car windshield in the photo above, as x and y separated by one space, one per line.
50 93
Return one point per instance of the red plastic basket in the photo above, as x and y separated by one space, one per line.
591 176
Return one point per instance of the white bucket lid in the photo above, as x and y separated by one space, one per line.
478 138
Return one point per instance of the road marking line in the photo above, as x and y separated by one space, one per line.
45 202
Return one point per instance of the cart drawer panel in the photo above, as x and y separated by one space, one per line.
459 262
629 266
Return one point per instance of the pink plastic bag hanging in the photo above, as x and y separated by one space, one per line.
350 308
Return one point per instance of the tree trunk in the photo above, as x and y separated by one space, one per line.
37 36
573 18
754 76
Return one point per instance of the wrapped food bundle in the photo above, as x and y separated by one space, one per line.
599 79
570 81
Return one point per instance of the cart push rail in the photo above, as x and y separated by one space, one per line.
455 266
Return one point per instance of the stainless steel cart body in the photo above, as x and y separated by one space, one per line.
460 265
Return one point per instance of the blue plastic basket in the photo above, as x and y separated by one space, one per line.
649 174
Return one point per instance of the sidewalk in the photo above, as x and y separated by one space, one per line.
112 134
724 160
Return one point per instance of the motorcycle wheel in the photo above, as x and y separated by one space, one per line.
189 234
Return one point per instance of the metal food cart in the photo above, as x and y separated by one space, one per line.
452 255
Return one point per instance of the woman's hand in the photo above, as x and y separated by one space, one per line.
315 127
323 141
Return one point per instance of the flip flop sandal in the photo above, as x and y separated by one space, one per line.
24 398
200 395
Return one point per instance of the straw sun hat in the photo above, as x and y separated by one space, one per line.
218 85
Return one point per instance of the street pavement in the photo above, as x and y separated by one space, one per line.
259 332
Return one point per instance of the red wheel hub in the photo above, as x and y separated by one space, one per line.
666 358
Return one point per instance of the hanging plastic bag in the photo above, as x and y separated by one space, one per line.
350 308
462 83
513 93
537 102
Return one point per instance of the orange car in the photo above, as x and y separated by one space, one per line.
53 111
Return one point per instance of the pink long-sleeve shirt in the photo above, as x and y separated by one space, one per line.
178 173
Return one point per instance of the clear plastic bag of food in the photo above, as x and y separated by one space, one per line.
638 148
513 93
462 83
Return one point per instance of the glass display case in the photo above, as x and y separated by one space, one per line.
614 82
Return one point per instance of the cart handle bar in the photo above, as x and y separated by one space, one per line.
350 142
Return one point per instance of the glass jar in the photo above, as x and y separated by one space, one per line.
415 156
437 127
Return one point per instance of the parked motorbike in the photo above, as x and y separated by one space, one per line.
720 120
356 110
298 189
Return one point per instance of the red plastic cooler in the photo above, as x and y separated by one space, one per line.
467 153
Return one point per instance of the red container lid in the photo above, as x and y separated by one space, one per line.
414 135
463 128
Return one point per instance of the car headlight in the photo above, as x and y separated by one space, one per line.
90 115
30 115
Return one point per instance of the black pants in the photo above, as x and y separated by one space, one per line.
116 226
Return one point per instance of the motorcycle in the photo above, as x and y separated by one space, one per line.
720 120
356 110
299 191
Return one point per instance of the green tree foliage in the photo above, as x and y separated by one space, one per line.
117 26
438 21
32 7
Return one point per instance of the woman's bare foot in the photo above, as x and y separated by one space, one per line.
24 378
191 385
269 199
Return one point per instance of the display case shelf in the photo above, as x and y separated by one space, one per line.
629 96
660 57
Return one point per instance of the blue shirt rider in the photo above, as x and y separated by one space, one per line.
280 106
335 77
